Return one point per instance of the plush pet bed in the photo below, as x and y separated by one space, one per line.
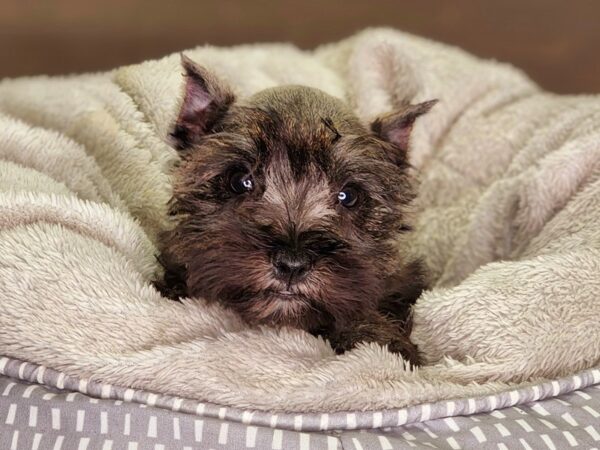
507 223
70 412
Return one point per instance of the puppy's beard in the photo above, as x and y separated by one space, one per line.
279 308
228 261
243 280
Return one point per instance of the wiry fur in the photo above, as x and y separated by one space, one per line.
302 147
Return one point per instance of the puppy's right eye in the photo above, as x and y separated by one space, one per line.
240 182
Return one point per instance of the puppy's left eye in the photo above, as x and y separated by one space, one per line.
241 182
348 197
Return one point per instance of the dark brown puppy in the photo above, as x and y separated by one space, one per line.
289 212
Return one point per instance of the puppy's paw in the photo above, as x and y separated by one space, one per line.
388 334
406 348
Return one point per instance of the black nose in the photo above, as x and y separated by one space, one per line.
291 267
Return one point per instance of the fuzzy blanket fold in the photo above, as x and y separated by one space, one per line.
508 216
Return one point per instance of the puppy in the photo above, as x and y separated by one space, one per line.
289 211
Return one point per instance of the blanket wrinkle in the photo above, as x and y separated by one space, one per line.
110 228
506 222
52 154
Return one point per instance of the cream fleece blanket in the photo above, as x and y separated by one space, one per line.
508 224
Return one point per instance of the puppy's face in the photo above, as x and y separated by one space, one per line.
288 207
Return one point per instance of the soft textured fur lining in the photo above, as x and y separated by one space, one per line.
507 224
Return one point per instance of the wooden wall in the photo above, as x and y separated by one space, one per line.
556 41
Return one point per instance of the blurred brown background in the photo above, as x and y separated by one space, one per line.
556 41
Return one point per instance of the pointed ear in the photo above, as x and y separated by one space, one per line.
205 102
396 127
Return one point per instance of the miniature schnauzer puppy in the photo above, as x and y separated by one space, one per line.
289 211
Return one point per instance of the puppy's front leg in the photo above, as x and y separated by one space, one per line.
374 326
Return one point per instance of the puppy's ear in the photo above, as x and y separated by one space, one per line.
396 127
205 102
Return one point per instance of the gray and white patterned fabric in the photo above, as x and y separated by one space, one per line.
34 417
41 408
